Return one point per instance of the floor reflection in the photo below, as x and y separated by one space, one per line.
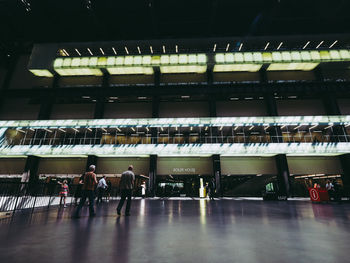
181 231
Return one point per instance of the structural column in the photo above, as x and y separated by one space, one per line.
332 108
282 176
100 100
7 81
31 166
48 101
91 160
152 183
345 163
276 137
217 174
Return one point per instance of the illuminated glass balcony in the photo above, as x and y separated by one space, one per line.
258 132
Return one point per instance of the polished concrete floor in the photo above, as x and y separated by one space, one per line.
182 231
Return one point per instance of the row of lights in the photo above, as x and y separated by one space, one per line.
261 98
112 99
278 47
26 5
235 128
65 53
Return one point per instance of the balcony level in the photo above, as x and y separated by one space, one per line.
293 135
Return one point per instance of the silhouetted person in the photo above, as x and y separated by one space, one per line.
78 190
126 186
88 188
211 187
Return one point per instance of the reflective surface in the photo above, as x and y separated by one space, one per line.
182 231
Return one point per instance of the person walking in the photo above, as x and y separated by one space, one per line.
101 188
126 186
211 189
330 189
88 188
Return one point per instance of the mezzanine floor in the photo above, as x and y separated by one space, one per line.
181 231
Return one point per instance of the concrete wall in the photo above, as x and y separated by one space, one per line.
184 165
290 75
80 81
2 76
248 165
12 165
19 109
136 79
182 78
300 107
241 108
128 110
344 106
183 109
73 111
236 77
314 165
113 165
58 165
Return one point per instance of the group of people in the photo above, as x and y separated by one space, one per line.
332 189
88 184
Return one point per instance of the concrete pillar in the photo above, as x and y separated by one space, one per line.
282 176
152 182
100 100
31 166
345 163
92 159
280 159
332 108
217 174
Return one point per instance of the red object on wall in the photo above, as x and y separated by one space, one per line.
318 194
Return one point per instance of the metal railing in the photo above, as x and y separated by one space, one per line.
17 196
184 140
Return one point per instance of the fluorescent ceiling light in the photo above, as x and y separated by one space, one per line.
335 42
319 44
237 67
90 51
280 45
292 66
267 45
41 72
130 70
183 69
307 43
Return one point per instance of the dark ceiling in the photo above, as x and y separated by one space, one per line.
23 22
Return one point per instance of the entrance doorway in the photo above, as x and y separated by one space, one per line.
180 185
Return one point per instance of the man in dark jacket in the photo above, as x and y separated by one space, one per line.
126 186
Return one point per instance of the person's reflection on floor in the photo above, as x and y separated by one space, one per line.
121 241
81 240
